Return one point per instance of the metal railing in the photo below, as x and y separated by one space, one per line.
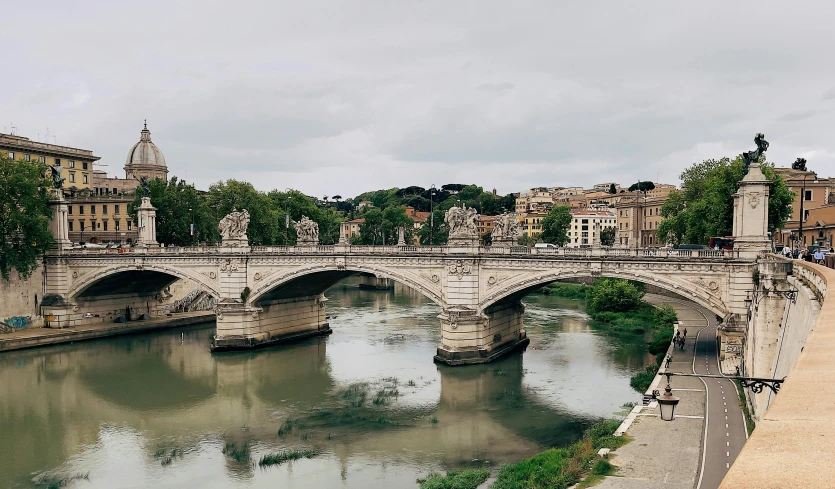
601 252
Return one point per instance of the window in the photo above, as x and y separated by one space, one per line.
116 224
104 209
57 161
130 224
805 217
27 157
116 193
41 159
69 223
105 225
807 196
82 225
11 155
84 165
72 177
99 226
93 209
72 164
81 210
85 178
117 209
69 209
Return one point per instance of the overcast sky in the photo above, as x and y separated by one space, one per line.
340 97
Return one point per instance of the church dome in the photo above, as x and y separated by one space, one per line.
145 159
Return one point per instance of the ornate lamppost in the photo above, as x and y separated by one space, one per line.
431 213
802 198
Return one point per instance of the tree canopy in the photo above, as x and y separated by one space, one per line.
703 208
642 187
555 225
24 226
179 205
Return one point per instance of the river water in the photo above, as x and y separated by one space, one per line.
157 410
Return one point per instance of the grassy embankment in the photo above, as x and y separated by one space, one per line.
557 468
615 305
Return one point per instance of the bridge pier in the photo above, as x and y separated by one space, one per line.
375 283
244 326
469 338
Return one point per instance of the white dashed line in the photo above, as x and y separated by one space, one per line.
727 466
727 454
729 443
727 434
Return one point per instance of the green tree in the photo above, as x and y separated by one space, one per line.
704 206
612 189
264 217
439 233
393 218
525 240
371 231
24 226
614 295
179 205
555 225
607 236
296 204
642 187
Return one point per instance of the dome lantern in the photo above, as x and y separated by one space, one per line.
145 159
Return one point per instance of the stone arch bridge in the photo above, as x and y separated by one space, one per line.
271 294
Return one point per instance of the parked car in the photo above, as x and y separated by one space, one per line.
545 245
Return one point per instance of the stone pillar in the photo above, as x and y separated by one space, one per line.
245 326
373 282
750 225
59 225
401 236
468 337
146 214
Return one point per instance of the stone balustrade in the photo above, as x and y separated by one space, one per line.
421 250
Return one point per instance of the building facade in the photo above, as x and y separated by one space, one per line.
76 164
816 193
586 226
638 218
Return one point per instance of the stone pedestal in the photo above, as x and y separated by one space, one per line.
469 338
505 241
401 236
751 214
244 326
59 225
146 215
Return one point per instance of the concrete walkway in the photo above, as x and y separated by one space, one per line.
35 337
670 455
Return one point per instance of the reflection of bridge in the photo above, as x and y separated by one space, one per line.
268 294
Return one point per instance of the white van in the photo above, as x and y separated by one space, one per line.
545 245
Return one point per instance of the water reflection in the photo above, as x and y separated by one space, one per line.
368 396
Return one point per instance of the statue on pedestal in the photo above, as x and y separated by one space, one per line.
462 225
233 226
750 157
307 231
57 180
506 230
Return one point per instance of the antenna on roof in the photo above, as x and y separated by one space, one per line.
13 129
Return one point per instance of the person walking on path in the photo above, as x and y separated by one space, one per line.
667 362
819 257
685 333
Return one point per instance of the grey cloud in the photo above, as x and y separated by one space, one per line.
345 97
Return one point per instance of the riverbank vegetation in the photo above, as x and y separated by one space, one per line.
560 468
617 305
464 479
279 458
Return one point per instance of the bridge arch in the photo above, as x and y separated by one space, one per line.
522 286
101 276
330 274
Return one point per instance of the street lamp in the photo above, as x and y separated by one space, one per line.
431 213
802 198
286 215
667 402
191 225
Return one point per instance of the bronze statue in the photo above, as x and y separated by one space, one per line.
749 157
799 164
145 184
57 180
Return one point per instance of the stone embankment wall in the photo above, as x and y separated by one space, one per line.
20 299
793 440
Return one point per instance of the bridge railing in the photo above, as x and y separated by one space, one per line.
423 250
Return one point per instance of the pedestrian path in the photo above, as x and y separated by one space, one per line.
35 337
693 451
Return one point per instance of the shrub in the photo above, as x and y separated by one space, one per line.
615 295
